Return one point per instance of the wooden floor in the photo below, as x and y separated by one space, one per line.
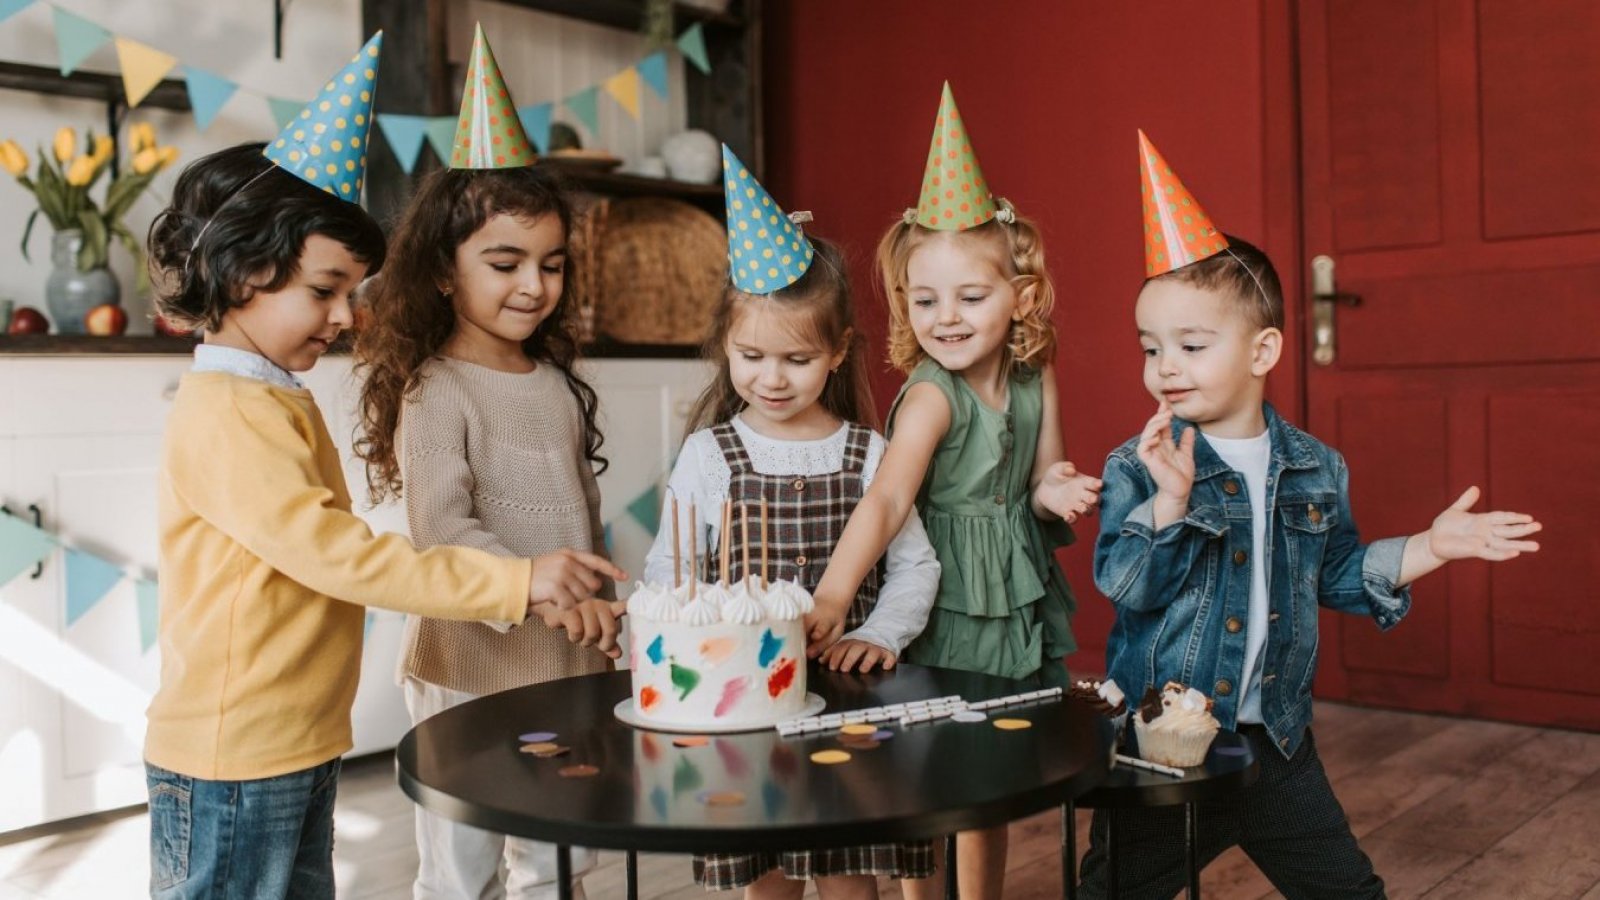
1446 807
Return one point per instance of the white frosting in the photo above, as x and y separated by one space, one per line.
652 601
705 608
787 601
1110 693
743 606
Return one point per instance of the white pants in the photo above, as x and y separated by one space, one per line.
460 862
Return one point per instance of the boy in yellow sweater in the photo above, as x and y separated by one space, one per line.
264 569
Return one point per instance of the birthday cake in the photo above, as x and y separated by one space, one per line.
718 657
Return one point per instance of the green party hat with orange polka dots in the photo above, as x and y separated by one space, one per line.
489 134
1177 231
955 196
767 251
326 145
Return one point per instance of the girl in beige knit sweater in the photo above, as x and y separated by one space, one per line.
471 403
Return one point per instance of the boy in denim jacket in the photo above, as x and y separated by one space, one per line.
1224 528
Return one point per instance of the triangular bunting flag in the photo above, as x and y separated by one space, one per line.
624 88
207 94
88 579
326 147
646 509
610 544
9 8
21 546
583 105
692 44
149 613
536 122
1177 231
76 38
653 69
142 68
284 111
441 131
405 135
488 132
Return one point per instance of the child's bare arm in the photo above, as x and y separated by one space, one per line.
921 423
1060 491
1460 534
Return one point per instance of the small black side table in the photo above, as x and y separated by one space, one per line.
1229 766
928 781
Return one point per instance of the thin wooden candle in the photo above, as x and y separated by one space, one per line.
744 538
725 544
763 543
693 544
677 578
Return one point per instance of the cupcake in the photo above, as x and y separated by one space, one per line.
1175 725
1103 696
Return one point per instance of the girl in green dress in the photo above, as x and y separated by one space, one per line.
974 446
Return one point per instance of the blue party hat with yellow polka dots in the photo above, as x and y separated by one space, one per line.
766 251
326 145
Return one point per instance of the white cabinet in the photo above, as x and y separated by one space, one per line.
80 437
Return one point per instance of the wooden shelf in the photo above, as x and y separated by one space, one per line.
158 345
622 184
101 86
626 14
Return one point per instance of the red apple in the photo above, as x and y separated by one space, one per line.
27 320
163 326
105 319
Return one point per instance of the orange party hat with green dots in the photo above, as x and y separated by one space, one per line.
1177 231
955 196
489 134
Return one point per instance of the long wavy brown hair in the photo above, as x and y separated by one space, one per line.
823 293
1018 252
411 318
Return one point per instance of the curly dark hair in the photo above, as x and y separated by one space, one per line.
410 319
237 225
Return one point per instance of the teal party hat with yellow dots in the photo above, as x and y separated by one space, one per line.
326 145
766 251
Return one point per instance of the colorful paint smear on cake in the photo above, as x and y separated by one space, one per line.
658 801
686 777
772 798
716 651
656 651
733 762
649 697
770 645
684 679
781 678
648 745
732 692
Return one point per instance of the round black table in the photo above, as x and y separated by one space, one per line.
1230 765
929 780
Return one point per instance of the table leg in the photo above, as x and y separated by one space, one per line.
633 875
1069 851
1191 838
1112 890
952 890
563 872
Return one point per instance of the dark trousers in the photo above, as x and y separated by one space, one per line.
1288 822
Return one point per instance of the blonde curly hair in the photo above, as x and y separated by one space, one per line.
1018 253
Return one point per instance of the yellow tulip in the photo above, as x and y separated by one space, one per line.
13 158
143 135
66 144
169 155
103 147
146 161
81 172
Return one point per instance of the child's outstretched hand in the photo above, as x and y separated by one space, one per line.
824 625
846 655
566 578
1495 536
1170 464
592 623
1067 492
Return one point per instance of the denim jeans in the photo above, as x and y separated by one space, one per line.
264 839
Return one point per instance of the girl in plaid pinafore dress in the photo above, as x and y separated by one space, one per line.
780 422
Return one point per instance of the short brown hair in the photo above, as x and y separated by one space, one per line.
1242 273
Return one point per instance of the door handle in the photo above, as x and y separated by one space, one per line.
1324 296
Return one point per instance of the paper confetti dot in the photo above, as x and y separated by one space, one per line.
553 752
830 757
858 728
882 734
578 771
1012 724
538 747
691 740
861 743
968 715
721 798
534 737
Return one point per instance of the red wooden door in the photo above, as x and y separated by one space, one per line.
1451 171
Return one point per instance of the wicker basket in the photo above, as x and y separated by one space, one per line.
648 270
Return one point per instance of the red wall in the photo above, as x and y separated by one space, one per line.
1052 92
